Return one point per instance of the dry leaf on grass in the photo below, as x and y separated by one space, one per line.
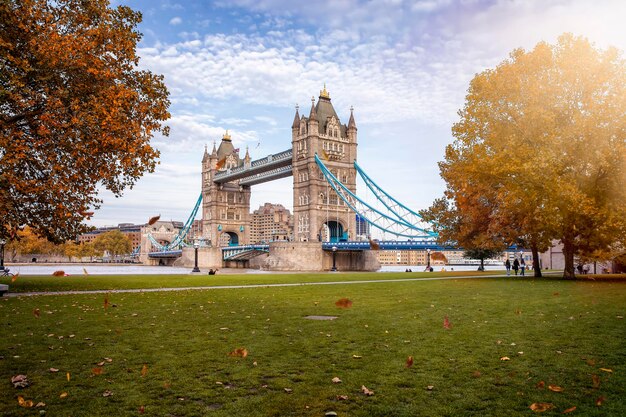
67 375
144 370
336 380
541 384
555 388
607 370
446 323
24 403
16 276
97 371
366 391
107 304
596 381
600 400
37 312
342 397
63 395
343 303
541 407
20 381
409 361
569 410
53 370
107 393
357 357
505 358
239 352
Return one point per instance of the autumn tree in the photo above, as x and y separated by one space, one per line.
76 113
114 242
540 148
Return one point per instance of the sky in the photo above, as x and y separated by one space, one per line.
404 66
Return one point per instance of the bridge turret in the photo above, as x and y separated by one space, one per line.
351 131
313 123
247 161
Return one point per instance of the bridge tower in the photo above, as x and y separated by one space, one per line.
225 207
319 214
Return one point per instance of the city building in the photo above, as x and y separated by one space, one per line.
132 231
271 222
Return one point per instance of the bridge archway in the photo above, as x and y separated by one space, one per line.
331 231
229 239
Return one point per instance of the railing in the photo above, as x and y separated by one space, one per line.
265 176
258 166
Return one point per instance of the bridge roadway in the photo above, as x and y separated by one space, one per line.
266 169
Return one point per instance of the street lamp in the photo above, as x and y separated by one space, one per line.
196 245
428 259
2 243
334 268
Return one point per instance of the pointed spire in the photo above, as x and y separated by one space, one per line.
351 122
226 136
324 93
313 114
214 151
296 119
247 153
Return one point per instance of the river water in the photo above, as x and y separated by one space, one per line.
125 269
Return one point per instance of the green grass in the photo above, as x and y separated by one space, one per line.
567 331
36 283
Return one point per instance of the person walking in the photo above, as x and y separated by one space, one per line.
507 265
522 266
515 265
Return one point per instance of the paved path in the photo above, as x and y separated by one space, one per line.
230 287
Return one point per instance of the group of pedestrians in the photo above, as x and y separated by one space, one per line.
518 265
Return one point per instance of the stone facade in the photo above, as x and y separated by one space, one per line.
225 207
269 223
319 214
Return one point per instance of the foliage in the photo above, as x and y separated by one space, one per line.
113 242
28 242
540 153
481 254
75 112
168 352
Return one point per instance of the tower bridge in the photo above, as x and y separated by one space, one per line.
326 208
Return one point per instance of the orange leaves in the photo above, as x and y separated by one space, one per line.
67 375
153 220
58 274
596 380
600 400
97 371
343 303
20 381
409 361
366 391
36 313
14 277
505 358
63 395
107 304
555 388
607 370
541 384
144 370
446 323
239 352
24 403
541 407
569 410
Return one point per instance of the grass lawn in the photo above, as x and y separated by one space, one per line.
167 354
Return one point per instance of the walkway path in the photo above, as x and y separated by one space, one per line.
230 287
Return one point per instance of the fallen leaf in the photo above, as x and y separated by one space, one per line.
153 220
342 397
107 304
555 388
556 294
343 303
54 370
142 409
505 358
569 410
63 395
357 357
430 387
144 370
541 384
40 404
100 363
366 391
599 401
58 274
336 380
409 361
107 393
288 390
109 360
67 375
446 323
591 362
596 381
20 381
254 363
15 277
607 370
541 407
97 371
36 312
476 374
239 352
24 403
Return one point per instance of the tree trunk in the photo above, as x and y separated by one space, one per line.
536 265
482 265
568 254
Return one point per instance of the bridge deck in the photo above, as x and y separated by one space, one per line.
260 170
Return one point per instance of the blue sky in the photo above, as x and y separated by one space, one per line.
405 66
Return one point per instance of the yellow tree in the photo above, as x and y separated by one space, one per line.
76 113
541 142
114 242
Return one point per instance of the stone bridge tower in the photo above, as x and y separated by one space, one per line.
225 207
319 214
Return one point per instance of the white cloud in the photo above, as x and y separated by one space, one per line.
176 21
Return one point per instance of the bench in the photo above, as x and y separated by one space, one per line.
3 288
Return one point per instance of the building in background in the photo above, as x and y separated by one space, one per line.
132 231
271 222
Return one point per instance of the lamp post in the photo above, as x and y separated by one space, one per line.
334 268
2 243
196 245
428 259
